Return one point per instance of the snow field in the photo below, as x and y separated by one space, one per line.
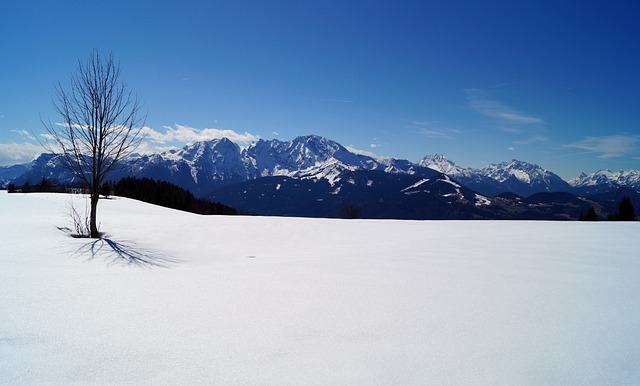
259 300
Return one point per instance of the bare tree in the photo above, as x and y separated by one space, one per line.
101 125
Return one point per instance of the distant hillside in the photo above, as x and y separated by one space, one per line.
168 195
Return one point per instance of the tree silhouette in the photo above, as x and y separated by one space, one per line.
591 214
351 212
626 212
101 124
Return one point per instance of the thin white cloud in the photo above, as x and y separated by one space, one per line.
430 133
530 140
494 109
25 134
609 146
428 129
147 147
187 135
513 130
375 145
363 152
424 123
18 153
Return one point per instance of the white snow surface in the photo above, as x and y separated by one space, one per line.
258 300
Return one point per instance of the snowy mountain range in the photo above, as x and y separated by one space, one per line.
205 166
514 176
627 178
322 171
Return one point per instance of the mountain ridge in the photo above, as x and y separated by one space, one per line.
205 166
514 176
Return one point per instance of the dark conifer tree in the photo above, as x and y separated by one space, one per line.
591 214
626 212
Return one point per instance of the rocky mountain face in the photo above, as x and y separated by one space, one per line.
514 176
313 157
626 178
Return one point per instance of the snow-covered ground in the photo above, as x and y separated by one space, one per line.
257 300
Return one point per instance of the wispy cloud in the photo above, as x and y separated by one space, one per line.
18 153
510 129
147 147
609 146
341 100
363 152
25 134
479 102
430 133
186 134
430 129
530 140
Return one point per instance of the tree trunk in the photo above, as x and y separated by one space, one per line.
93 225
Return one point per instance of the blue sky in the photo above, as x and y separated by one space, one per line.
549 82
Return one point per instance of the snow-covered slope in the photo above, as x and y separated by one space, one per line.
309 156
518 176
313 157
256 300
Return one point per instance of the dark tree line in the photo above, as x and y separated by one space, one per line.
144 189
591 215
626 212
165 194
44 186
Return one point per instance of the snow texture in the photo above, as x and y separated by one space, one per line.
176 298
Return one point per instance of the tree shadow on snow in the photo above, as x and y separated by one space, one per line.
124 253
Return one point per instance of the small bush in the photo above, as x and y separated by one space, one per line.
626 212
351 212
80 222
590 216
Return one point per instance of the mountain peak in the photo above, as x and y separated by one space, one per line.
442 164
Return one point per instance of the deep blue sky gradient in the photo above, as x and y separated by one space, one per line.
550 82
